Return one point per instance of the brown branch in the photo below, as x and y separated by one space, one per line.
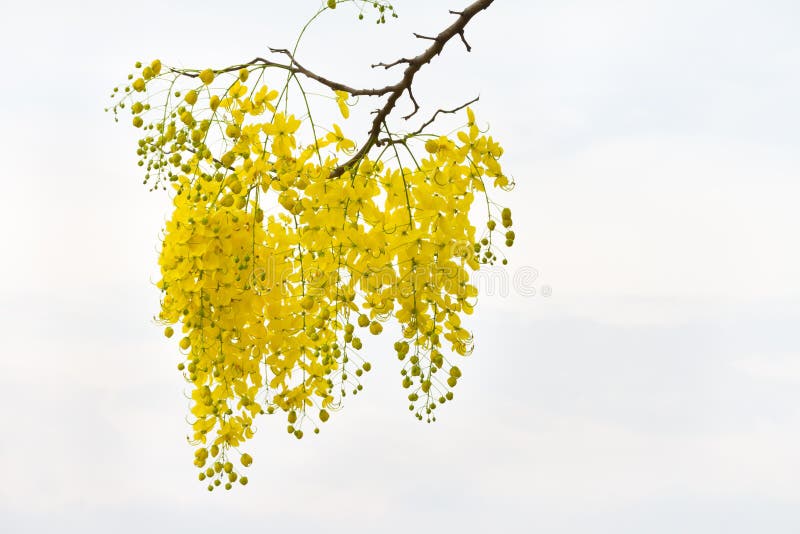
454 110
464 40
298 68
416 106
293 67
414 65
394 91
418 36
390 65
406 137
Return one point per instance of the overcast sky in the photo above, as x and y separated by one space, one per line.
656 389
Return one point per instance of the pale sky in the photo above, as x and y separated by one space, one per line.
656 389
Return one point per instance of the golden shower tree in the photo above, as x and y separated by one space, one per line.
290 242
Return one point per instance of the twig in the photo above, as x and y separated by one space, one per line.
394 91
418 36
293 67
406 137
414 65
390 65
464 40
416 106
329 83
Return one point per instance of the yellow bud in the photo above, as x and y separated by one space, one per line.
214 102
185 343
168 331
138 84
137 121
323 415
307 302
243 74
228 158
206 76
227 201
375 328
156 66
363 320
246 460
232 131
191 97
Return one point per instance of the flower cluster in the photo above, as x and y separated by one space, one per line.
277 263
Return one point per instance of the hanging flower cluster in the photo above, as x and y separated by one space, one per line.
278 261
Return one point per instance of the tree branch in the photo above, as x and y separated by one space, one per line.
414 65
293 67
406 137
394 91
390 65
298 68
464 40
418 36
414 101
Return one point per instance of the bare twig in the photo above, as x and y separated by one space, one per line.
293 67
390 65
414 100
418 36
464 40
394 91
297 67
414 65
454 110
406 137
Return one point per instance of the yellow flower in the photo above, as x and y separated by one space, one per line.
267 300
342 143
341 101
